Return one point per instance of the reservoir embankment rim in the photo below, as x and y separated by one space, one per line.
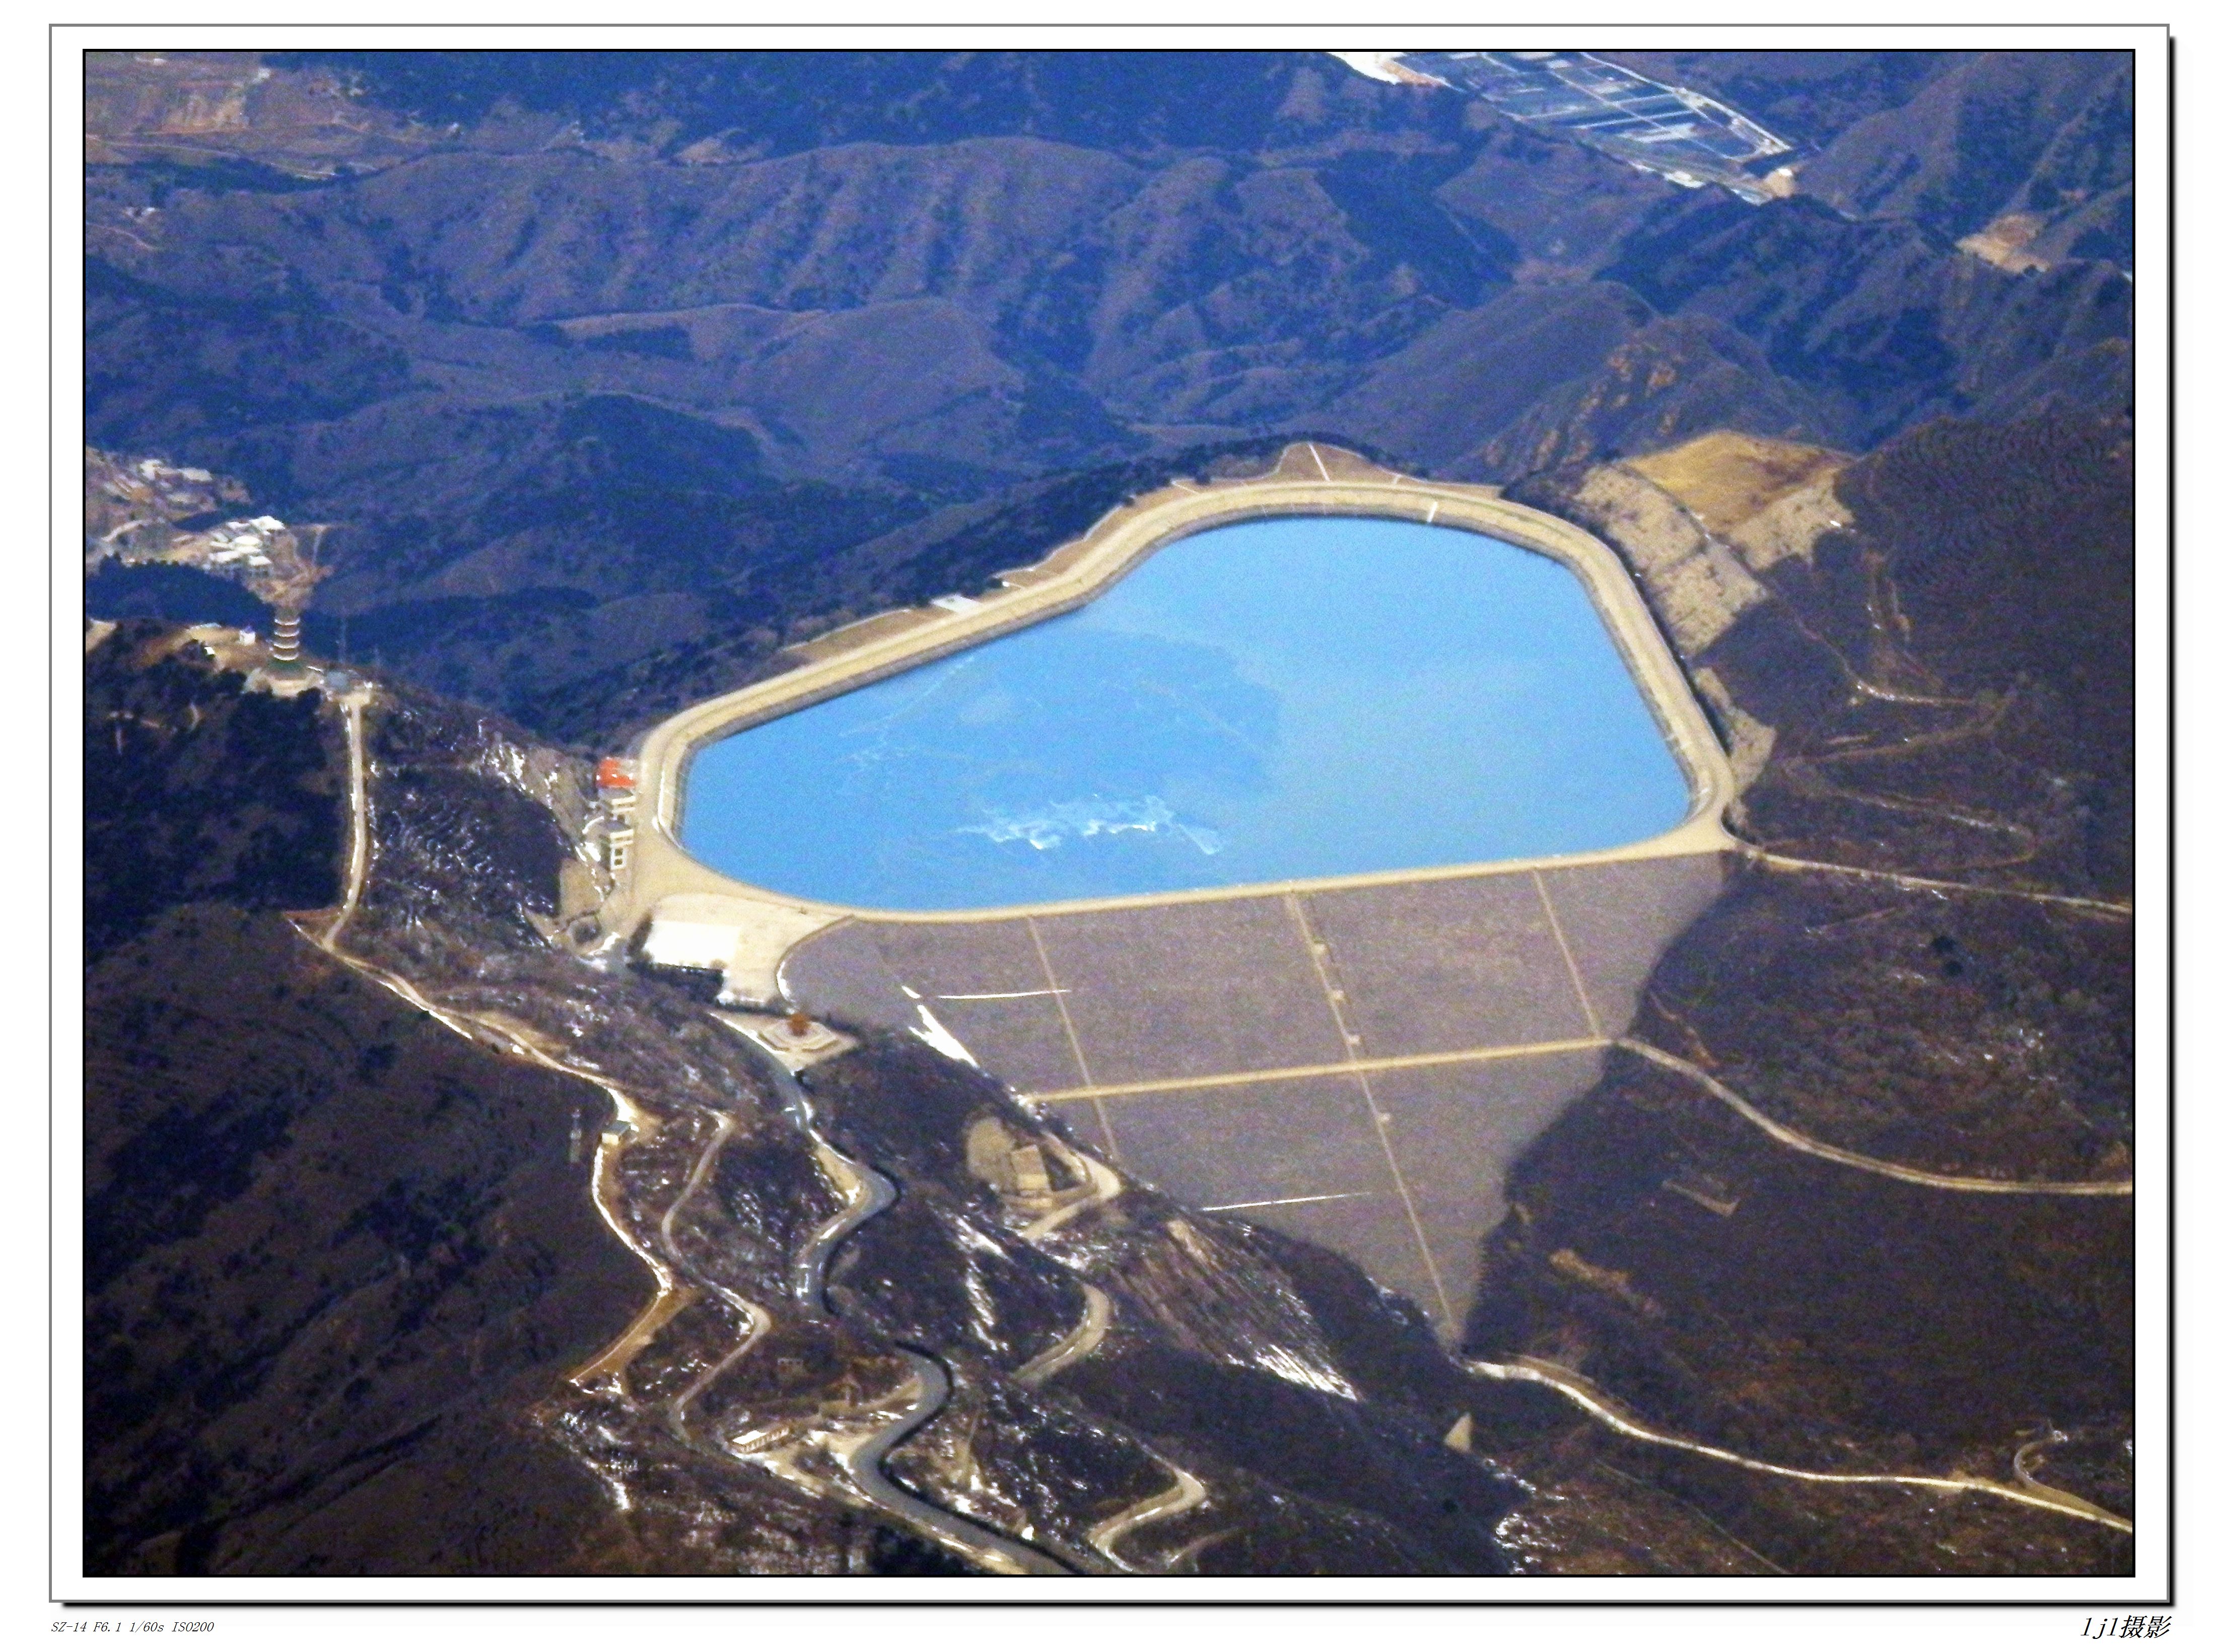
1290 696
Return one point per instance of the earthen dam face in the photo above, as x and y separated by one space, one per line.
1306 864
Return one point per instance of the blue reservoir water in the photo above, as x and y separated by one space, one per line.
1302 697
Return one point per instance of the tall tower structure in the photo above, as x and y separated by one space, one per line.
285 638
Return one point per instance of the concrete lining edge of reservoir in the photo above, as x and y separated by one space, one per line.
663 882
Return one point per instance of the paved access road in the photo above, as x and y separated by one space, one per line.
867 1192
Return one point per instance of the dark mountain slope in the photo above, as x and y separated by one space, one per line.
1817 1315
322 1236
2036 148
334 1254
632 364
327 1243
724 104
530 238
164 367
2026 588
1561 206
1559 376
1810 98
1880 320
1473 374
2004 131
196 792
1062 256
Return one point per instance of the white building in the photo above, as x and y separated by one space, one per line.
621 842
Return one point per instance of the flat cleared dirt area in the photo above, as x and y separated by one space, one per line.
1725 477
1356 1067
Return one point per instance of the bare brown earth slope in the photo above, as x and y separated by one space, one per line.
1949 697
591 355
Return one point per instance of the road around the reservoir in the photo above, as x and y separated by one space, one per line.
1526 1368
1307 480
1803 1144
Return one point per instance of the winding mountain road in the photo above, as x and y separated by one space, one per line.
1074 1344
868 1192
1803 1144
1597 1404
754 1316
633 1122
873 1193
1186 1493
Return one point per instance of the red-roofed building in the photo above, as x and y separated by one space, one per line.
614 774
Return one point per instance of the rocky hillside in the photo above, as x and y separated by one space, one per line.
591 356
342 1264
435 1243
1916 694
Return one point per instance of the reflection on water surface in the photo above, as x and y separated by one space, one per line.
1304 697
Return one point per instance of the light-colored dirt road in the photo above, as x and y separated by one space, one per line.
1905 880
1803 1144
633 1122
754 1318
359 812
1595 1403
1186 1493
682 1403
872 1193
1105 1185
2025 1476
703 1166
1074 1344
